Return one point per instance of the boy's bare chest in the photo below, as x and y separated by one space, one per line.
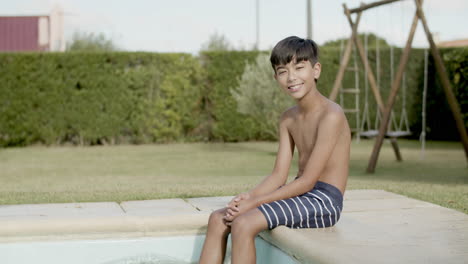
304 134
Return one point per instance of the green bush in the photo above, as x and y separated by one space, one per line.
260 97
167 96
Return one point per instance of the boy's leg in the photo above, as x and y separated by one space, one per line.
214 248
244 229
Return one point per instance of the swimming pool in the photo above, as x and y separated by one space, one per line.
147 250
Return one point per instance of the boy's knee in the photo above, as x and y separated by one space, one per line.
216 218
217 224
241 225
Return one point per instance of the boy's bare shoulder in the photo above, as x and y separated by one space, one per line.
333 114
289 115
334 109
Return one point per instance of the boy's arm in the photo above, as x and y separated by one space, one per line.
328 133
280 171
283 161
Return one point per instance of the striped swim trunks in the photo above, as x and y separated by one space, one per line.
320 207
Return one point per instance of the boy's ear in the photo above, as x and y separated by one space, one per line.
317 70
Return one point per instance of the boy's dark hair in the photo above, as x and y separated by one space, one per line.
294 48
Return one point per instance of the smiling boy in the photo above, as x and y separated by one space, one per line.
318 128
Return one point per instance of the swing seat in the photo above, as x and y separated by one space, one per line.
397 134
369 133
390 134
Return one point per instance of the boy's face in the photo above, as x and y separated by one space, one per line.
297 78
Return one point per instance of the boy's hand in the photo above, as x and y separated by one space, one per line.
241 207
232 207
238 198
232 210
231 213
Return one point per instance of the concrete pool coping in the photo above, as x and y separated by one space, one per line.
376 226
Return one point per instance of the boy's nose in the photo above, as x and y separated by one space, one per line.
291 76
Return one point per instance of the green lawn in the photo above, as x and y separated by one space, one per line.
119 173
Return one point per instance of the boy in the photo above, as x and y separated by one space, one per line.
319 130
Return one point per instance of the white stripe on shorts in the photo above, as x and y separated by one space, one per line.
324 205
292 215
307 211
300 214
315 211
268 216
285 216
321 213
336 215
277 220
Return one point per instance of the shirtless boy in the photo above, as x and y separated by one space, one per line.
320 131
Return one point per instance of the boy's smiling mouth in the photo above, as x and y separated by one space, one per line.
295 87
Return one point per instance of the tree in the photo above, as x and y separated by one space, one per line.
259 96
216 42
83 41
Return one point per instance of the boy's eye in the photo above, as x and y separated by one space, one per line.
281 72
300 67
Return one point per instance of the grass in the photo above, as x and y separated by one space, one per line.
120 173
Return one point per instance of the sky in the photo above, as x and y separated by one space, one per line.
185 25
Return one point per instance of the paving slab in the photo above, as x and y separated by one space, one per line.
159 217
36 229
64 210
370 195
376 205
158 207
209 204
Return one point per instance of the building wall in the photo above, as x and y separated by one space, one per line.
20 34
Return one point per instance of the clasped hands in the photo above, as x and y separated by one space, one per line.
238 205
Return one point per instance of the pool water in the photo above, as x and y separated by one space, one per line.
154 250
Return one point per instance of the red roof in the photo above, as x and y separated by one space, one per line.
453 43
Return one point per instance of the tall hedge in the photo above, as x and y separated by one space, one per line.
96 98
223 70
440 122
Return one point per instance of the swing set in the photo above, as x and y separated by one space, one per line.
388 128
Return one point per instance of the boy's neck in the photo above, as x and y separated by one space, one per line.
311 102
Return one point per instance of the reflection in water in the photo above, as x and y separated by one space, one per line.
148 259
